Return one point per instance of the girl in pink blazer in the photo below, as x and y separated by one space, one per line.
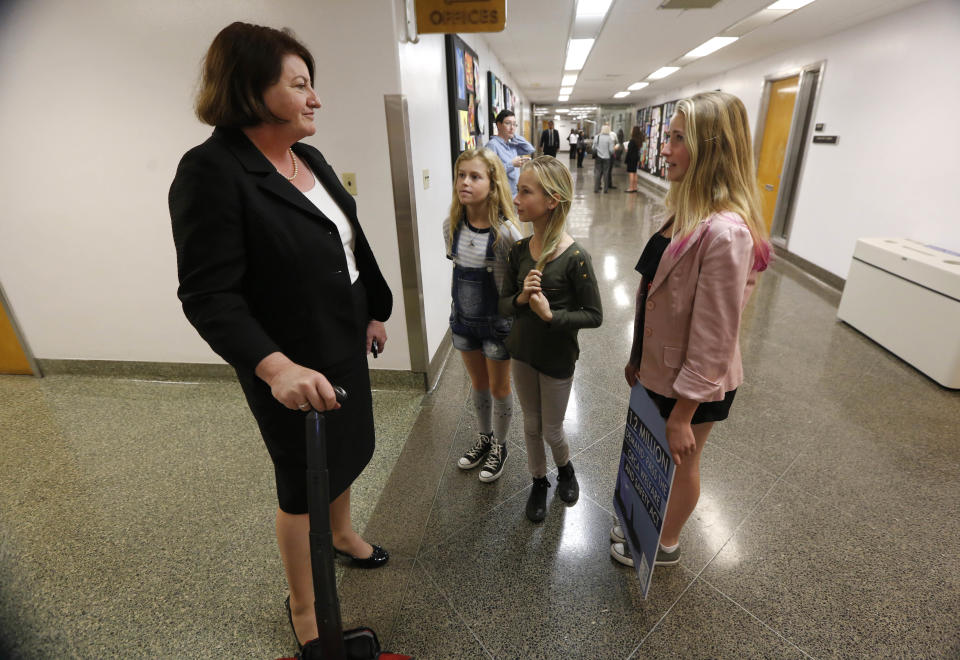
698 272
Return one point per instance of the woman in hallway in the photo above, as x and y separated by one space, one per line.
512 149
479 232
633 158
551 291
697 273
277 276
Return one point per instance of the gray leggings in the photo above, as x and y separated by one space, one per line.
544 403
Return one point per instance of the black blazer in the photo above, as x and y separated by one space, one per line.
545 137
261 268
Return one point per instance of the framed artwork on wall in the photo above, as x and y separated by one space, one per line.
463 86
499 97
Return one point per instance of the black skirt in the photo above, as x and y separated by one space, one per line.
708 411
350 431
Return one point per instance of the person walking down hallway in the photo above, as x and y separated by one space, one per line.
513 150
697 273
604 146
573 139
581 148
277 276
550 140
632 159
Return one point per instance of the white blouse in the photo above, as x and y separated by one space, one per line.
323 201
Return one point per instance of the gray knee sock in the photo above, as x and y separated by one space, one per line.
482 401
502 413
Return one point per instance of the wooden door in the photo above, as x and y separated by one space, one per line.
12 358
776 133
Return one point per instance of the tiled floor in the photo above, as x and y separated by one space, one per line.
137 517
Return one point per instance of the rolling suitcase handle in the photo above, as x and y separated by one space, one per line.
326 603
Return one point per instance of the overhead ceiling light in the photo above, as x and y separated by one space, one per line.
577 52
620 95
593 7
789 4
663 72
566 90
563 98
637 85
569 80
710 46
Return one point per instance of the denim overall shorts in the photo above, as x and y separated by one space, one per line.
474 320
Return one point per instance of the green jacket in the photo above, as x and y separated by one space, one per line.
570 285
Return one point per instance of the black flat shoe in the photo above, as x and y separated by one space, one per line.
377 558
292 629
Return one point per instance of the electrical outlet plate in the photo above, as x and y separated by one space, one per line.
350 182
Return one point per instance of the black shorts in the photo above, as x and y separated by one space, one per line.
708 411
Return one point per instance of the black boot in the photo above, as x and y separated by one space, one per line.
537 502
567 487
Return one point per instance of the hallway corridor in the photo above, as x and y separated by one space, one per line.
136 516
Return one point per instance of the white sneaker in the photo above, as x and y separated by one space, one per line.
621 553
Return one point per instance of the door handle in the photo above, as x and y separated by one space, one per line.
768 187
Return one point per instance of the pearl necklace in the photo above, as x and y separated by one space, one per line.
296 168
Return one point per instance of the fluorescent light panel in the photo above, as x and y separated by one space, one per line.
620 95
563 98
663 72
566 90
791 5
593 7
577 52
710 46
569 80
637 85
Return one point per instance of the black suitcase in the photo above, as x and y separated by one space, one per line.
332 643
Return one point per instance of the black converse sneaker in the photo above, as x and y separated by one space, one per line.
475 456
493 467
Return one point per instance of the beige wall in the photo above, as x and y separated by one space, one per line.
96 104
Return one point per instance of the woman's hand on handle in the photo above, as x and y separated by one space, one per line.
296 386
680 436
630 373
376 330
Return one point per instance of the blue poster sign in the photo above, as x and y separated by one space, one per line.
643 482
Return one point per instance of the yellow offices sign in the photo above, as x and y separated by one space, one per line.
452 16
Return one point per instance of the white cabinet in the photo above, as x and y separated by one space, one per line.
905 296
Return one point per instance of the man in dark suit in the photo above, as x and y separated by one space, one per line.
550 140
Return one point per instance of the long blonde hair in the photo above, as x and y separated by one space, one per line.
721 175
554 177
500 209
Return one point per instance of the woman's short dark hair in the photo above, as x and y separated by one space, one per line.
242 62
503 115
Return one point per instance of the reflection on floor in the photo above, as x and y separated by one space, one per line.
137 517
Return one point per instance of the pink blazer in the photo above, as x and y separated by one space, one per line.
691 346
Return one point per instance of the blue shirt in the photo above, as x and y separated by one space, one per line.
507 151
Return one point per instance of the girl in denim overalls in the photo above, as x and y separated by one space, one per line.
478 234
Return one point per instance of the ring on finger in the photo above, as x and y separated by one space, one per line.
304 406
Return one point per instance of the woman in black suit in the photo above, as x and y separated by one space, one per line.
277 276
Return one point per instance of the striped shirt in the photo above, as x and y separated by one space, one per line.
474 256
